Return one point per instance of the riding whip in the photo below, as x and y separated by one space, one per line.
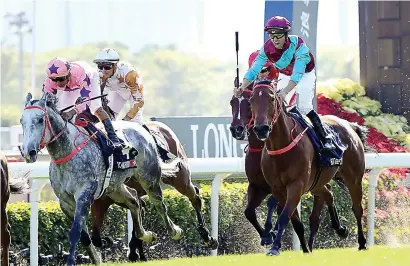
237 59
80 101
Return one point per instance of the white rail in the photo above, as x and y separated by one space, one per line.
216 169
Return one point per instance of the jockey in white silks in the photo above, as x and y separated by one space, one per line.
123 83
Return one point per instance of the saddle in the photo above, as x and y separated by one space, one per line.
124 159
326 159
162 144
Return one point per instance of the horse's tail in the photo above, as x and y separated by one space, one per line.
363 133
170 169
20 186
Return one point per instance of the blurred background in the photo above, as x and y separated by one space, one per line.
185 49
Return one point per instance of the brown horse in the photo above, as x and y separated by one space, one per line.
258 189
8 186
181 182
283 151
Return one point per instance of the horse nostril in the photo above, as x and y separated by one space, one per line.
261 129
240 129
32 153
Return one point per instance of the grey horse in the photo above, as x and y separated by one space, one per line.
77 169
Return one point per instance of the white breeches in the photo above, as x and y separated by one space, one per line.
305 90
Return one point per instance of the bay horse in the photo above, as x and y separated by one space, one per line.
290 164
181 182
258 189
13 186
77 169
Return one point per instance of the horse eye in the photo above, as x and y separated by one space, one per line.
41 120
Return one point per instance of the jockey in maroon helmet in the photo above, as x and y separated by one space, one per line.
296 64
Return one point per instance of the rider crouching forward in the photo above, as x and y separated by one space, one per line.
70 80
123 83
290 55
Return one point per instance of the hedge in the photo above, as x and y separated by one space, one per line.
236 234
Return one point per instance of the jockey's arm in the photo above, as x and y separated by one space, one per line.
135 84
302 58
255 69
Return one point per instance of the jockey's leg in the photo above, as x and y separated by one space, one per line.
104 118
306 91
320 131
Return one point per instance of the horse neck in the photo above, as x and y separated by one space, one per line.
64 144
280 135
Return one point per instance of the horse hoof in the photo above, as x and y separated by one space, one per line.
343 232
273 252
178 233
107 242
133 256
212 244
362 248
266 241
149 237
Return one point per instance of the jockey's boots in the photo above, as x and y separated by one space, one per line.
111 135
320 131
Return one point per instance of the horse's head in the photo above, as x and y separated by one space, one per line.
241 115
266 108
40 120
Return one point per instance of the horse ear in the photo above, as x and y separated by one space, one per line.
51 99
28 98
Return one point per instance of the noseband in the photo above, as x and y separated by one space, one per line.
275 99
47 126
277 103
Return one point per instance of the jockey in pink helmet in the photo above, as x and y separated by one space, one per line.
70 80
296 64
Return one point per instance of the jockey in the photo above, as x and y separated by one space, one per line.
70 80
123 83
296 65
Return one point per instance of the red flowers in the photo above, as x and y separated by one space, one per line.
375 139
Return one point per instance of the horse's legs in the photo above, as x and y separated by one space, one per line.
83 200
133 245
300 230
326 193
255 198
356 193
128 197
5 236
98 211
154 192
293 195
268 236
314 219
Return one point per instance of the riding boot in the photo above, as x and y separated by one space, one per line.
320 131
112 135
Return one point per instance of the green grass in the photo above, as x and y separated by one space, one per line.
375 256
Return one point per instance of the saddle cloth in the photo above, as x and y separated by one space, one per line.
122 160
328 159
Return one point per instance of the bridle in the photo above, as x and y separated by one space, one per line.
47 127
275 99
277 104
